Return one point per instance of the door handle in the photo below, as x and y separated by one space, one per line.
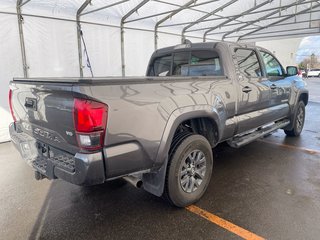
273 86
246 89
31 103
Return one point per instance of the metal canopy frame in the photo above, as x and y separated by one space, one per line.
258 20
166 18
19 5
280 24
234 18
79 32
101 8
255 27
275 23
123 19
205 17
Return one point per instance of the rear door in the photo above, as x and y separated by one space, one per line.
254 91
280 84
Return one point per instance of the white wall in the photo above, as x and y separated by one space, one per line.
284 49
51 51
10 66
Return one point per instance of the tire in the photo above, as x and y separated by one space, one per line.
299 119
189 171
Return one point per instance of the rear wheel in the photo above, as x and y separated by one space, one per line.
189 171
298 121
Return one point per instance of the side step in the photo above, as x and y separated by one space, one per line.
241 140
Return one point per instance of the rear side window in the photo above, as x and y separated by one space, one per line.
273 67
248 62
161 66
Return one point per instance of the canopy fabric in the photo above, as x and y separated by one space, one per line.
230 20
43 38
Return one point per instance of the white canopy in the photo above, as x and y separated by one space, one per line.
43 38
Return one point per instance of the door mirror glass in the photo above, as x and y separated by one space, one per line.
292 71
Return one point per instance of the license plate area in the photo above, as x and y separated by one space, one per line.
44 150
56 157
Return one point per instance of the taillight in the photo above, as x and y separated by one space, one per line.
90 120
299 73
10 105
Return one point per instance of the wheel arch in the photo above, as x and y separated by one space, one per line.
154 182
304 96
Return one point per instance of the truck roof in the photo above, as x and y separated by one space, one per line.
197 46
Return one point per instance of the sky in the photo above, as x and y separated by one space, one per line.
308 46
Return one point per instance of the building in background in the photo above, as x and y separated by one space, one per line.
284 49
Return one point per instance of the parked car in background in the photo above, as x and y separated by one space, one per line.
315 72
302 73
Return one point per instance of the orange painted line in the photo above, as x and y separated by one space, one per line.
241 232
307 150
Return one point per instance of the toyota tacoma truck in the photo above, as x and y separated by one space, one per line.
159 131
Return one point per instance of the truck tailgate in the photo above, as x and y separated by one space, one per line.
45 111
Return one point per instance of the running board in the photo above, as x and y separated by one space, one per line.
241 140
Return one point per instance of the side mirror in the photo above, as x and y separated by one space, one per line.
292 71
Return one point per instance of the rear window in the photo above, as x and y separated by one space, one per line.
194 63
204 63
180 60
161 66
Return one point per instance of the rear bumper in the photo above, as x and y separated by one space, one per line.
79 169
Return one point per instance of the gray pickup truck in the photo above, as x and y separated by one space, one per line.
158 131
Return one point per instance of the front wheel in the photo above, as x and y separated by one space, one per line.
189 171
298 121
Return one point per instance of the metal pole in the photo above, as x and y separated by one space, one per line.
204 17
253 28
123 66
274 23
285 35
262 34
310 14
22 45
259 19
23 3
237 15
191 8
233 24
168 17
108 6
234 18
170 11
80 10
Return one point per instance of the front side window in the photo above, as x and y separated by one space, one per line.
273 67
248 63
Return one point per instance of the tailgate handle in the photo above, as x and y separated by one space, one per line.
273 86
246 89
31 103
